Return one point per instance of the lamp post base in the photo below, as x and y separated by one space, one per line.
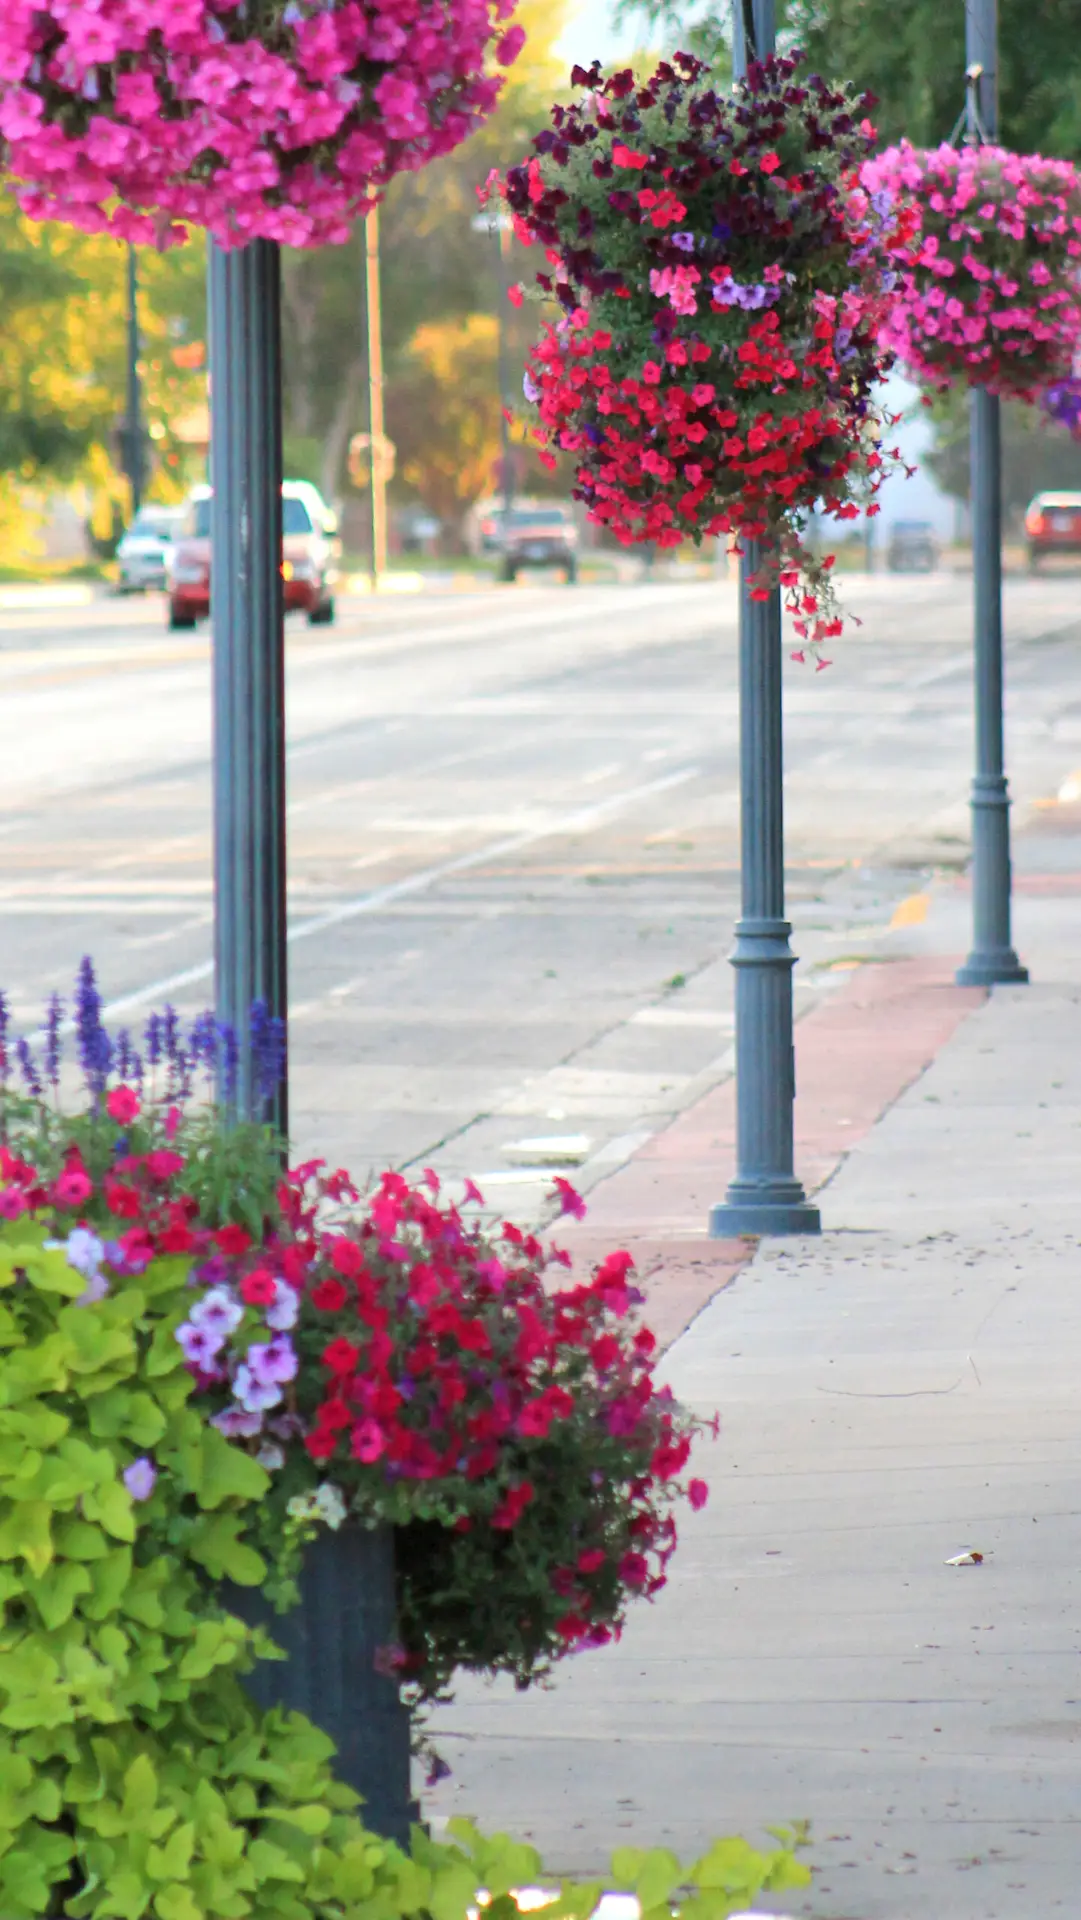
1000 967
777 1208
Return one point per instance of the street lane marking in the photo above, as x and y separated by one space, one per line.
583 820
911 912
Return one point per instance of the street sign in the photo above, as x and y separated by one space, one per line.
360 458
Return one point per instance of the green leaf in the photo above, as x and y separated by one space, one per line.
56 1591
171 1862
140 1790
216 1545
112 1505
311 1819
49 1271
25 1533
228 1473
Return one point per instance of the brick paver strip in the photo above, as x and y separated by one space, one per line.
855 1055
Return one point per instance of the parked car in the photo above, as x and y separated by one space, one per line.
1053 525
145 547
310 552
536 536
912 547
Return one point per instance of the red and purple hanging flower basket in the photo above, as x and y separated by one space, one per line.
272 119
992 298
724 283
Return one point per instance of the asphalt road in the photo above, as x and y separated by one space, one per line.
513 838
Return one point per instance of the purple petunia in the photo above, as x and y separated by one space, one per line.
237 1424
255 1395
283 1309
218 1312
199 1345
272 1363
140 1478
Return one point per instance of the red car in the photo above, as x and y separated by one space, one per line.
309 557
1053 525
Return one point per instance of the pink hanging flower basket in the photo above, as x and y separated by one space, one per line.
992 298
272 119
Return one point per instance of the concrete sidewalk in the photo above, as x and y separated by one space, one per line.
902 1390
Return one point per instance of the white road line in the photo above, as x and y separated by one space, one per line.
581 821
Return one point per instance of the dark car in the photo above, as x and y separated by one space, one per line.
309 557
912 547
1053 525
537 537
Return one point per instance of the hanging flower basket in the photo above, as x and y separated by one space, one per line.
992 298
724 282
273 119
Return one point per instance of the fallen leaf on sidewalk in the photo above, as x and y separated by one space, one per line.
970 1558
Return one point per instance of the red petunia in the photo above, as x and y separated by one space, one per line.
258 1288
122 1105
232 1240
329 1295
697 1493
321 1444
369 1441
121 1199
162 1164
341 1356
346 1257
513 1505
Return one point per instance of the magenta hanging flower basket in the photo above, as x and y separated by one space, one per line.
272 119
992 299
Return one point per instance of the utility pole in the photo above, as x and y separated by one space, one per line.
377 484
992 958
132 431
504 231
765 1197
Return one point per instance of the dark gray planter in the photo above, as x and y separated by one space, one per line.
345 1615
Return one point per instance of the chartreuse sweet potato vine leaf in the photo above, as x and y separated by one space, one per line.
137 1779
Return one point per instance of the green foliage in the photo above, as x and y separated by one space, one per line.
136 1778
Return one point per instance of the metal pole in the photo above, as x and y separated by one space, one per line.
765 1197
504 233
248 648
377 490
992 957
133 429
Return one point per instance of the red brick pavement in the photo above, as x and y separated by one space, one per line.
855 1054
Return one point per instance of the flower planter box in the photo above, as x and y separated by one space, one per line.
332 1674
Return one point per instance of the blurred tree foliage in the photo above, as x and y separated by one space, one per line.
444 415
63 348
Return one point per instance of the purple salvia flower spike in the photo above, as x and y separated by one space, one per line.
53 1044
228 1059
27 1068
153 1039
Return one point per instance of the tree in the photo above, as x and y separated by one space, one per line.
444 415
